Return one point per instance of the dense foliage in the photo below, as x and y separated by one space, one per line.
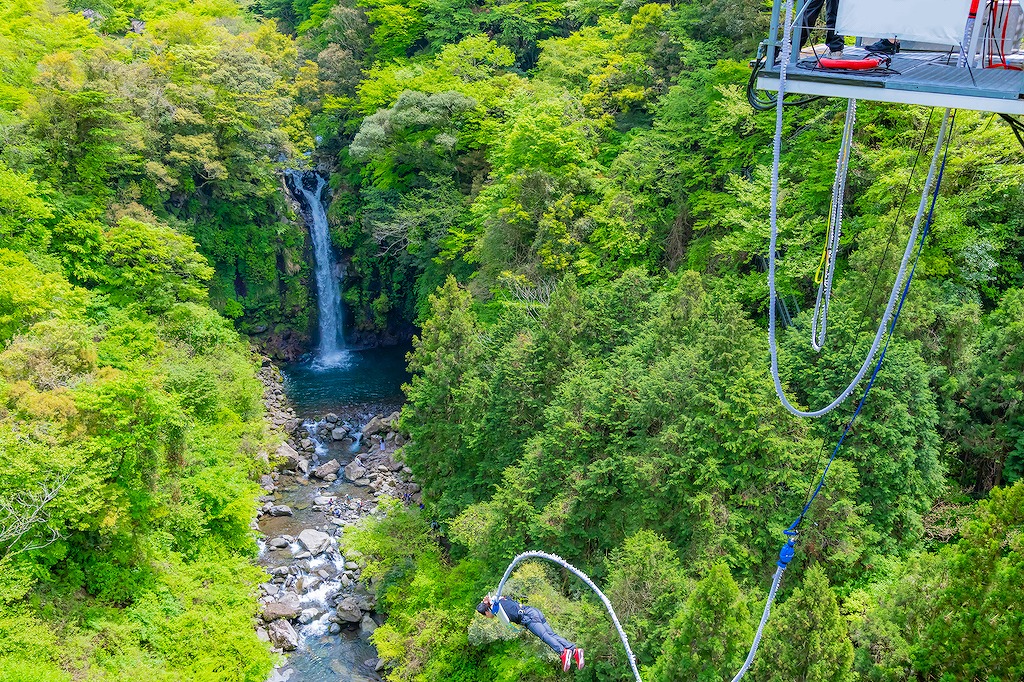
132 169
569 198
574 206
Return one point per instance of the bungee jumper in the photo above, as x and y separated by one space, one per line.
531 618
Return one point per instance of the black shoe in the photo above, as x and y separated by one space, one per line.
883 46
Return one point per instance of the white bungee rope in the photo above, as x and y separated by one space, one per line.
555 559
834 231
772 250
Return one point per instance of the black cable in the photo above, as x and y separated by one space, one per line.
1016 126
768 102
878 274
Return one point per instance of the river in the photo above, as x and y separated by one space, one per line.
362 384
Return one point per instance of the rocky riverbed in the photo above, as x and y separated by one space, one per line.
331 471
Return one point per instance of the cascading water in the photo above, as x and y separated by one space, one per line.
331 352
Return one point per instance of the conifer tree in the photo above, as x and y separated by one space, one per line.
708 638
806 639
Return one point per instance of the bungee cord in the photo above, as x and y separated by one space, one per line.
773 241
555 559
833 233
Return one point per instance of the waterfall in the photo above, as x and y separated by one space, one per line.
331 352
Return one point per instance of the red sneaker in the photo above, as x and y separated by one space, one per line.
566 660
578 655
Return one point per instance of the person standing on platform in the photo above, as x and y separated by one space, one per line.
809 18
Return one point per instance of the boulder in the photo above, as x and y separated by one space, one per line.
326 469
283 635
374 426
361 482
309 615
289 459
315 541
338 433
286 607
303 466
278 543
349 611
392 419
280 510
331 418
367 625
324 500
354 471
267 483
393 464
334 629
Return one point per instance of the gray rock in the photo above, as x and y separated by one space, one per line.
267 483
354 471
339 433
334 629
367 625
262 635
302 555
283 635
374 426
289 458
280 510
361 482
331 478
278 543
349 611
315 541
304 466
286 607
326 469
309 615
331 418
324 500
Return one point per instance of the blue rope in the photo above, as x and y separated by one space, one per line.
792 530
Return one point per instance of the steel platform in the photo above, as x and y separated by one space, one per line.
925 78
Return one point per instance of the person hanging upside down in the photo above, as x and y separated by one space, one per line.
533 620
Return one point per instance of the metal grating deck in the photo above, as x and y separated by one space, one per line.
928 78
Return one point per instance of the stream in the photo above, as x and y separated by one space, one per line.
346 395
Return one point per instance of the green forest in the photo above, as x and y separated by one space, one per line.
567 200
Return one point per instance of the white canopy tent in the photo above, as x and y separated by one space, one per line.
927 21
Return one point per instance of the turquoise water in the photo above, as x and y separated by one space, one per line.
370 378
